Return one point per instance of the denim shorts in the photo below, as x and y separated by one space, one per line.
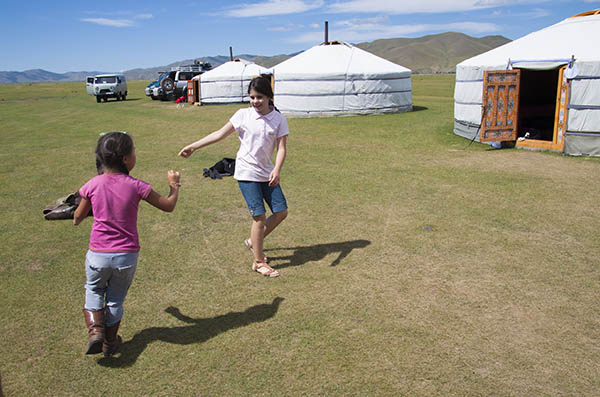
256 193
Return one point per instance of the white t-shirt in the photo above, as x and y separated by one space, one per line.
258 138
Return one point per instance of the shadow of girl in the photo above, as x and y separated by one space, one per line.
313 253
201 330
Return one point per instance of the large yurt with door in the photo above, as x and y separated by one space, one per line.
228 83
541 91
336 78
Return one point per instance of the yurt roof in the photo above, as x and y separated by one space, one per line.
576 36
337 60
236 68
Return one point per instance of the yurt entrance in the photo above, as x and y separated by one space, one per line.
526 106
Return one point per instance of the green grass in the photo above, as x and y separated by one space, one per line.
411 264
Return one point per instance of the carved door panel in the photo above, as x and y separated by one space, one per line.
500 105
562 100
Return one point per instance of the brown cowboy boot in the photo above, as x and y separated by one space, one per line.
94 321
112 341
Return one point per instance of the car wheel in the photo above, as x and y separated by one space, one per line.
123 97
118 97
98 99
166 84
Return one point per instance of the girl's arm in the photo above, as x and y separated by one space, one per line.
82 210
166 204
281 149
211 138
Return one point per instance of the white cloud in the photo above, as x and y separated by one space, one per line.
287 28
273 7
118 23
422 6
535 13
364 21
367 32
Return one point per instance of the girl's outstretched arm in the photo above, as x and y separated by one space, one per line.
166 204
211 138
82 210
281 152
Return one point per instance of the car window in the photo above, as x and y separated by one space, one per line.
185 75
106 80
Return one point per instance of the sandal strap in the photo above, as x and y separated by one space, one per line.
264 269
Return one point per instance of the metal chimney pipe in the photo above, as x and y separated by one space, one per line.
230 53
326 32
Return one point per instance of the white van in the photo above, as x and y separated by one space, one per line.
105 86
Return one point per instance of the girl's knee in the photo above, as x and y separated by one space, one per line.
259 218
282 214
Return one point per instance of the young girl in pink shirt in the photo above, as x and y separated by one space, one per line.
261 129
111 260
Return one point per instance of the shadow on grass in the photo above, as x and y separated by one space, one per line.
313 253
419 108
200 330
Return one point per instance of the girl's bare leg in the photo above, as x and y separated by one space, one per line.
273 221
257 235
261 227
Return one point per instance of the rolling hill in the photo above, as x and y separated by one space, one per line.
430 54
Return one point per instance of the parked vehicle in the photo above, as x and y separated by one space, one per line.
173 84
152 89
106 86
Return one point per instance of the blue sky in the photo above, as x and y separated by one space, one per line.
62 36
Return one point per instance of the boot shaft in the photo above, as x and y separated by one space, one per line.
111 340
94 322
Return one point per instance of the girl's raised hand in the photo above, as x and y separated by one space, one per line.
173 177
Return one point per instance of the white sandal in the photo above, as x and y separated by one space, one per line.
264 269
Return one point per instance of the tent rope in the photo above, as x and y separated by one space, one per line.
478 128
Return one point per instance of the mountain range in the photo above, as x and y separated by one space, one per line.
430 54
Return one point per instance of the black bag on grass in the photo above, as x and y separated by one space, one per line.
224 167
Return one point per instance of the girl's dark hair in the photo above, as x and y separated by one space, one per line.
262 85
111 149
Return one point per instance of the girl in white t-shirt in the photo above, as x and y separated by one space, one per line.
261 130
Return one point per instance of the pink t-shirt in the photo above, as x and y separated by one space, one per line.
258 138
115 199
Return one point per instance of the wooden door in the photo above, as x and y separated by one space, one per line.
500 102
191 91
560 119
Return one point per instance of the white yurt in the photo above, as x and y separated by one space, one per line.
336 78
541 91
228 83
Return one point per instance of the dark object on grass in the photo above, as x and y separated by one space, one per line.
64 208
224 167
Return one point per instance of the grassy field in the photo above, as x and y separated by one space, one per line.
411 264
